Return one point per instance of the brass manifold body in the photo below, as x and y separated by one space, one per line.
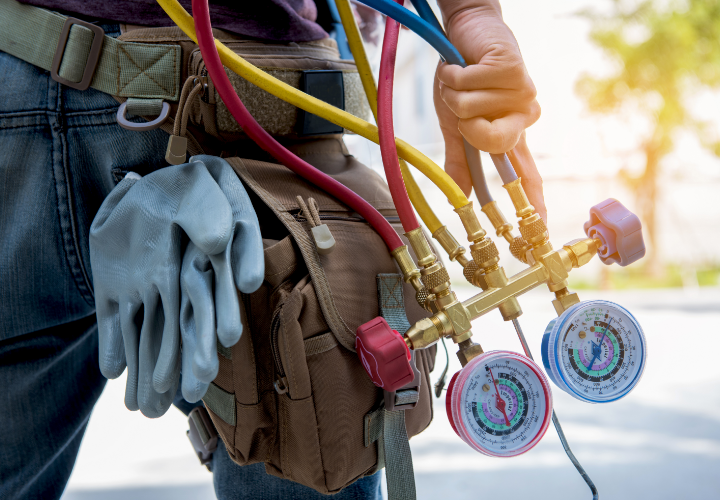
451 317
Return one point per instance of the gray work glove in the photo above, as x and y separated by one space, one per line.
136 245
209 298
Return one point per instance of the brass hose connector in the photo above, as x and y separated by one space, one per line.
502 227
411 274
469 220
467 350
421 247
451 246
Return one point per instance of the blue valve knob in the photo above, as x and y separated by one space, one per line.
619 230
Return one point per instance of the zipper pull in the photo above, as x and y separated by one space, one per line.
281 385
324 240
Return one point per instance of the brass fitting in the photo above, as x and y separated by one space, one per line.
435 278
467 351
427 331
421 247
581 251
533 230
469 220
411 274
451 246
519 249
522 205
564 300
510 309
485 253
502 227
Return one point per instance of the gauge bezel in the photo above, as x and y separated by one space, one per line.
453 402
551 354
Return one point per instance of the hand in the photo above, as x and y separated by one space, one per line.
209 308
490 102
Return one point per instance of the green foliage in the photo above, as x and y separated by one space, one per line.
662 55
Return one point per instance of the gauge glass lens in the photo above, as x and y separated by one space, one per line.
595 351
500 404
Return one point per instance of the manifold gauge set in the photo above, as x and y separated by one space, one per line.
500 403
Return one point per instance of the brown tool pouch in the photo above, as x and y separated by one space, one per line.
292 393
299 391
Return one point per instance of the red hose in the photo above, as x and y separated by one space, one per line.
385 126
203 28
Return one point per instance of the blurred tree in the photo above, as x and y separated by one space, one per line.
665 51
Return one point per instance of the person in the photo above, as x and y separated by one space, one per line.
62 152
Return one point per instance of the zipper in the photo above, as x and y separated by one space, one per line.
298 217
281 382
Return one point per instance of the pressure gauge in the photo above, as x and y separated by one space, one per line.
595 351
500 404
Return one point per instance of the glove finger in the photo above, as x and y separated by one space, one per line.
110 341
167 365
192 389
129 324
198 317
227 308
248 259
152 403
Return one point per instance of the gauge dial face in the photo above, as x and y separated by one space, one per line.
595 351
500 404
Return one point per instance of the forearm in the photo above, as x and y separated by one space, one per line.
453 9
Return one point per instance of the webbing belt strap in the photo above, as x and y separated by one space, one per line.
388 427
125 69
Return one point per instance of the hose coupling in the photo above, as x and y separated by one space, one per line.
450 245
411 274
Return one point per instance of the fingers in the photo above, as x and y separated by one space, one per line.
247 258
531 180
131 338
500 135
111 350
227 308
167 366
192 320
455 161
152 403
487 103
504 72
197 326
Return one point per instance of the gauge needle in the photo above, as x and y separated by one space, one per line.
597 348
499 402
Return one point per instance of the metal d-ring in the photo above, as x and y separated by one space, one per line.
142 127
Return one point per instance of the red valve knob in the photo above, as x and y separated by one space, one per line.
384 354
619 230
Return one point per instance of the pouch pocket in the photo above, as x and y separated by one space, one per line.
327 397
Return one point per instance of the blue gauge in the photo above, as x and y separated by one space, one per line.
595 351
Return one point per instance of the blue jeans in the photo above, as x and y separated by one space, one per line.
61 153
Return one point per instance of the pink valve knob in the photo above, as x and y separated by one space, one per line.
384 354
619 230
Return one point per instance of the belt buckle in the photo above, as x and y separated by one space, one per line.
93 56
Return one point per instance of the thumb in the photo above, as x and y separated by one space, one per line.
455 162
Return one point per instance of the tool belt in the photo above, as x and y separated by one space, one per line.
292 393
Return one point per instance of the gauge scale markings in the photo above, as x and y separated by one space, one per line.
600 354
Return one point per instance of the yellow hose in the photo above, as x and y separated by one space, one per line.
310 104
368 81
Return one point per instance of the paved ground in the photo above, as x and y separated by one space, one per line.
661 442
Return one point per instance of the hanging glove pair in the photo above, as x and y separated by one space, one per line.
168 253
